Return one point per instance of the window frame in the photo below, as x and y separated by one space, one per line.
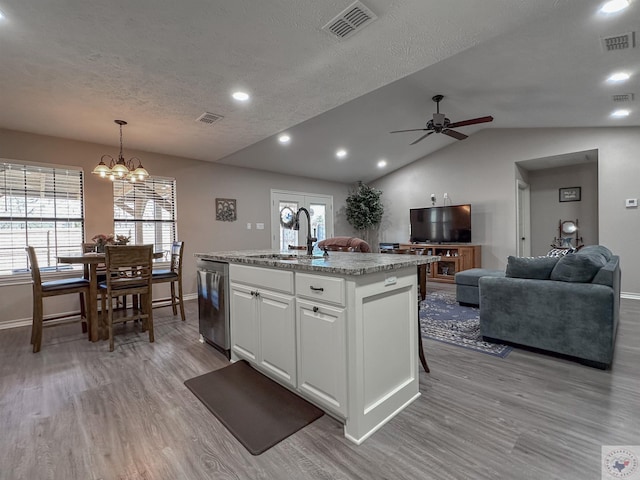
55 271
174 214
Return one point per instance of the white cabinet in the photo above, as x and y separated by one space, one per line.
277 335
347 343
322 362
263 324
244 332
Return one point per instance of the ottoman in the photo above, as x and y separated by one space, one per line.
467 292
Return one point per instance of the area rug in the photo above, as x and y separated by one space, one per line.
255 409
442 319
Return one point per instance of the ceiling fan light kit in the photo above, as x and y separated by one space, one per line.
441 124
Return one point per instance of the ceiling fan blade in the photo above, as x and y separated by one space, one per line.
413 130
454 134
421 138
471 121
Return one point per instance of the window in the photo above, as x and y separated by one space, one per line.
41 206
145 211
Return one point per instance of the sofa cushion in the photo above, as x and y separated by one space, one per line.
602 250
578 268
538 268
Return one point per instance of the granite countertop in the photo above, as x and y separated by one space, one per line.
345 263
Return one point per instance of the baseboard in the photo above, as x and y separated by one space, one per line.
26 322
630 295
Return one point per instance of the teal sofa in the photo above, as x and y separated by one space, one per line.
568 305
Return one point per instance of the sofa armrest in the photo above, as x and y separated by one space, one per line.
577 319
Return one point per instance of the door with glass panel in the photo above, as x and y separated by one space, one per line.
286 203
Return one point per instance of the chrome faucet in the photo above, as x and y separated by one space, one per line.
296 226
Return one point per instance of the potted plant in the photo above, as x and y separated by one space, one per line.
364 209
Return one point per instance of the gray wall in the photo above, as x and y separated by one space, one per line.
547 211
198 184
481 170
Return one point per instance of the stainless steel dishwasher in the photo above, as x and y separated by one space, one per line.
213 304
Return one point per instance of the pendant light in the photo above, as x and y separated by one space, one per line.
121 168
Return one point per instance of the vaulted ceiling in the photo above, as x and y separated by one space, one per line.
70 67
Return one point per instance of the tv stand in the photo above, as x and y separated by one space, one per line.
454 258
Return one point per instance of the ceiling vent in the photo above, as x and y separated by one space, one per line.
623 97
351 20
623 41
209 118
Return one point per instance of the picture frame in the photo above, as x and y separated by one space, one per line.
570 194
226 209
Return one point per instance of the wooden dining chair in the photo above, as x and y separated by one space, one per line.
128 272
50 289
174 276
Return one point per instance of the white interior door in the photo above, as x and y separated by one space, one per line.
319 206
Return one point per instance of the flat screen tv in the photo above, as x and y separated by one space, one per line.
448 224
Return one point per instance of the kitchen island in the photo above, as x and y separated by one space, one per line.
340 331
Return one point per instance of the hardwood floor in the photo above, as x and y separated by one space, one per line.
76 411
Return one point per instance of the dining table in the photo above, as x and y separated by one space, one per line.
97 330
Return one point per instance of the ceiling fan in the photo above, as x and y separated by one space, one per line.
441 124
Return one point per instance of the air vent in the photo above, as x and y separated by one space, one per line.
209 118
623 97
623 41
354 18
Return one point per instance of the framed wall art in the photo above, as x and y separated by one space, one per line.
226 209
570 194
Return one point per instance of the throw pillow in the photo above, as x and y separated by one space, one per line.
538 268
560 252
578 268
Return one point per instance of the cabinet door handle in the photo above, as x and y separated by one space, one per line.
316 289
315 309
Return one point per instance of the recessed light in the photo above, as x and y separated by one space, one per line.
620 113
1 15
240 96
614 6
382 163
284 138
341 153
619 77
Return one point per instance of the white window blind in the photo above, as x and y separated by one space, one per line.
40 206
145 211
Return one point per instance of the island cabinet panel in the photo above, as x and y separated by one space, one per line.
263 328
277 335
244 334
322 363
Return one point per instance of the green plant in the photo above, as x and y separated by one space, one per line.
364 207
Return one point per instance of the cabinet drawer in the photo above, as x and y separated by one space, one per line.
271 278
318 287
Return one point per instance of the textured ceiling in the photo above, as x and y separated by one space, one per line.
70 67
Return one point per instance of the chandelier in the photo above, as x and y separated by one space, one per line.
121 168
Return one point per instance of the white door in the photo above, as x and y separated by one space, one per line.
244 334
322 354
523 221
319 206
277 335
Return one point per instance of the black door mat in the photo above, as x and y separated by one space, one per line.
255 409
